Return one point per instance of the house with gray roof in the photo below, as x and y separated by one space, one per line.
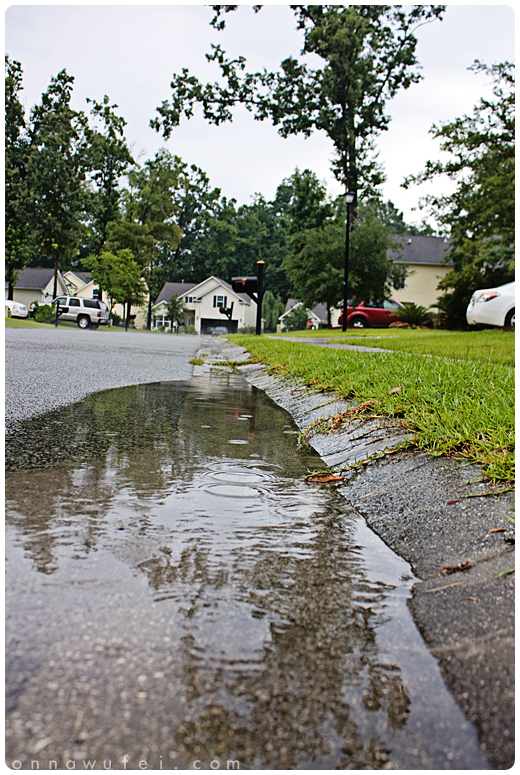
204 301
425 259
37 285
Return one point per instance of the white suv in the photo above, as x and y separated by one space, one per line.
87 313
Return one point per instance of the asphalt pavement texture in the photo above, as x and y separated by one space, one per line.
53 367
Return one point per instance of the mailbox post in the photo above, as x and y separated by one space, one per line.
253 286
59 311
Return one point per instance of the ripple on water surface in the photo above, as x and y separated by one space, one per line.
177 593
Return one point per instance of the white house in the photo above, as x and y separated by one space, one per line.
317 315
37 285
203 301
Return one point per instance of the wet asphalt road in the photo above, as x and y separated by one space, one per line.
49 368
178 597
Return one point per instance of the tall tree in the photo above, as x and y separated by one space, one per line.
368 54
315 262
119 275
56 171
148 227
18 234
480 214
108 159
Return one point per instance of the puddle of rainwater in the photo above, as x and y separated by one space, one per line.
178 595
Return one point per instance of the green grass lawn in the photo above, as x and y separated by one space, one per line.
462 408
24 323
492 345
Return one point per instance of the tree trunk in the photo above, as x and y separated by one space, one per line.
128 308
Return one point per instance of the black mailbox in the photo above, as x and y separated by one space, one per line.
227 311
247 285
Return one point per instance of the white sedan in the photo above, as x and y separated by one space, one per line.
13 309
493 306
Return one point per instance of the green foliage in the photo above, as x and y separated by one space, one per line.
119 275
480 214
368 55
175 310
297 319
413 316
272 308
107 159
45 313
56 170
18 235
444 404
315 263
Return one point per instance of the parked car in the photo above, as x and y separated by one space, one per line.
493 306
87 313
219 330
13 309
371 313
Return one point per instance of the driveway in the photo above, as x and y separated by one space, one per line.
49 368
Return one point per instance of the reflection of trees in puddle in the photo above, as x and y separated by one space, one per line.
279 663
316 689
49 510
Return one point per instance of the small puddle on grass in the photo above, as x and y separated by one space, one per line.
177 595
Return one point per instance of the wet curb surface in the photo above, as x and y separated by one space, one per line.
456 545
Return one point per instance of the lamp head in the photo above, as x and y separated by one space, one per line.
349 197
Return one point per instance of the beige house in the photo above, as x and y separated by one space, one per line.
203 301
424 258
36 285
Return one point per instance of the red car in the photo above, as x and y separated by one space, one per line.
371 313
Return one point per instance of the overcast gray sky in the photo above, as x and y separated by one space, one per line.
131 51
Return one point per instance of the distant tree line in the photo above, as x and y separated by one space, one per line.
77 199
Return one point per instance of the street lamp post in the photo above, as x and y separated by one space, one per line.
349 198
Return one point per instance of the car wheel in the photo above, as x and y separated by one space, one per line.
358 323
83 322
510 319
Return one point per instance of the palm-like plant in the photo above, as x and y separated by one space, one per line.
413 316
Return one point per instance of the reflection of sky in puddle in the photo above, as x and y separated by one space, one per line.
227 608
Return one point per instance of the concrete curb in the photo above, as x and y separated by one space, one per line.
458 547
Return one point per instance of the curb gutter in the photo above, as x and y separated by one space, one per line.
438 515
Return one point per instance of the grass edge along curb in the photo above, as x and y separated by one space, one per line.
461 409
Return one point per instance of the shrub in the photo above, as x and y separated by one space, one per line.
45 313
413 316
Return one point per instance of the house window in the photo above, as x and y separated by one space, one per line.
220 301
189 299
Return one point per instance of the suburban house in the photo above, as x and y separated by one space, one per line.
203 301
317 315
36 285
425 259
81 284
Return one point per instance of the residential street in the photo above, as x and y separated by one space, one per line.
49 368
178 594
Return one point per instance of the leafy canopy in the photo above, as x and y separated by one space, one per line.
368 54
480 213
